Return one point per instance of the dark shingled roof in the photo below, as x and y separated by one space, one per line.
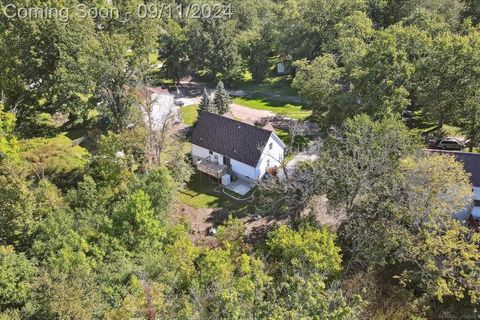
471 163
231 138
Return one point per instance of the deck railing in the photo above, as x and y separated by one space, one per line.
211 168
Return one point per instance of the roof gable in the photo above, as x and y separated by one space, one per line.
231 138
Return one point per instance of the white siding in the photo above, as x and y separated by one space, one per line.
200 152
270 157
243 170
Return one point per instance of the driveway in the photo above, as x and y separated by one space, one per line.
243 113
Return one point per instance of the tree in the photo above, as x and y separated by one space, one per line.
304 264
48 66
17 218
156 129
447 74
386 13
319 83
403 208
57 158
16 279
381 82
472 10
354 33
8 142
67 295
173 51
221 102
135 223
305 252
434 238
307 26
257 45
213 50
370 155
117 81
110 166
206 104
162 191
470 120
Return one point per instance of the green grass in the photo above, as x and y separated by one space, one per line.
274 94
279 85
281 107
199 193
190 114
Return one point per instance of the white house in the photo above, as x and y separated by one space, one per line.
158 107
221 146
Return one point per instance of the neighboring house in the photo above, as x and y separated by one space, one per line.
221 146
158 107
471 164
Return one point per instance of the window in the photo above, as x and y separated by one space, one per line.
270 146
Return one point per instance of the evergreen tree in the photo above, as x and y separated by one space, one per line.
206 104
221 102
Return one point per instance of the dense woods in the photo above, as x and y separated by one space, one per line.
89 193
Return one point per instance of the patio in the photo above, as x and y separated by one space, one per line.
240 187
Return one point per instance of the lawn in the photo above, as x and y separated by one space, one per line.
190 114
276 86
281 107
273 94
199 193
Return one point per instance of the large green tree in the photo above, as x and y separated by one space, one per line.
403 208
48 64
173 51
213 50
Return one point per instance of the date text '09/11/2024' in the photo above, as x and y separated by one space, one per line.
192 11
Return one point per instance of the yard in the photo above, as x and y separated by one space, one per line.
271 86
273 94
200 193
281 107
190 114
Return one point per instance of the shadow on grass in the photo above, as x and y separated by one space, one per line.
200 193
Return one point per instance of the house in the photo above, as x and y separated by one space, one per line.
223 147
158 107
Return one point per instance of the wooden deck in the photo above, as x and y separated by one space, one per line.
210 168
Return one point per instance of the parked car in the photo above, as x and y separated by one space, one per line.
407 116
448 144
179 103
